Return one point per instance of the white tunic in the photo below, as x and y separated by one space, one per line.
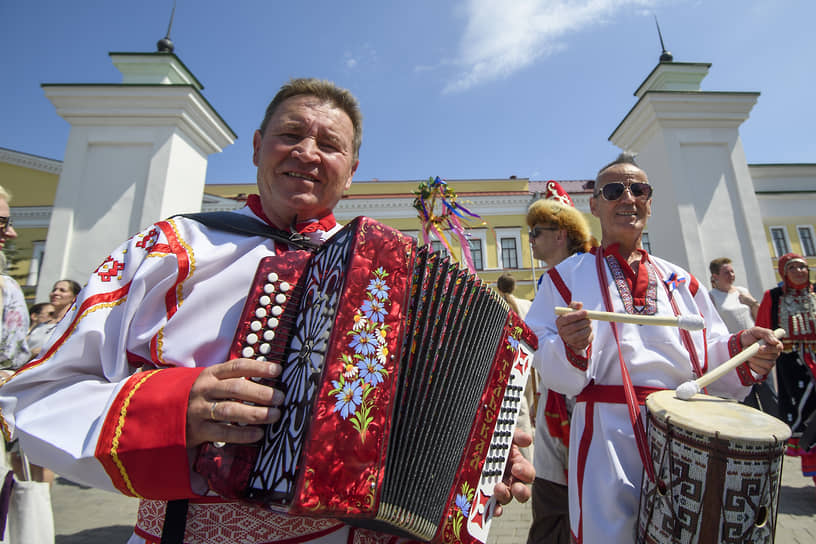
168 300
655 357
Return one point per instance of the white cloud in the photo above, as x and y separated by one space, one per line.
502 37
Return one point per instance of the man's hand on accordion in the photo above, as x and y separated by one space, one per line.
518 473
222 396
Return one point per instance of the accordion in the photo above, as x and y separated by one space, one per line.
403 376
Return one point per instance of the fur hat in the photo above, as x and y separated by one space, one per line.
558 210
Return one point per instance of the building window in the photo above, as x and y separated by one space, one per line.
509 253
508 244
476 253
644 242
779 236
436 245
806 240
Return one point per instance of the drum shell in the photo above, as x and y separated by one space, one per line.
718 467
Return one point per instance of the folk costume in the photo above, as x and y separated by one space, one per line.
793 307
550 523
606 459
105 403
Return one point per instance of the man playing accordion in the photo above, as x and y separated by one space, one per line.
135 380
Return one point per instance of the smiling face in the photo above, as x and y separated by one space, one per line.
724 279
797 272
61 295
622 220
305 159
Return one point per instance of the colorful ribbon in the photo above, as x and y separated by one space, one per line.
451 216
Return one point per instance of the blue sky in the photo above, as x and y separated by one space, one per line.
461 89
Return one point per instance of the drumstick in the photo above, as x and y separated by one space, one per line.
687 322
688 389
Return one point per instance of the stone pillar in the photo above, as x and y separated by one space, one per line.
688 143
137 152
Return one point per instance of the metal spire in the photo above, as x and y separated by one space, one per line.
165 45
665 56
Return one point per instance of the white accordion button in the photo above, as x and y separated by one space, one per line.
255 326
252 338
264 300
248 352
280 298
265 348
272 323
272 277
276 311
261 312
284 286
269 335
269 288
260 358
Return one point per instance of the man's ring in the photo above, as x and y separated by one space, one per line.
212 410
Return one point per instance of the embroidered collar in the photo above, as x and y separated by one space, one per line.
325 223
637 288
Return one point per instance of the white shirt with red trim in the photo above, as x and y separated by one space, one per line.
167 300
655 357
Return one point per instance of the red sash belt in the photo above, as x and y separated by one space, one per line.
613 394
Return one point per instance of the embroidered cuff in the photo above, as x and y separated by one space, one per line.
142 441
746 375
735 344
578 361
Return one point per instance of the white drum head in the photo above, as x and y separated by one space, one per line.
709 416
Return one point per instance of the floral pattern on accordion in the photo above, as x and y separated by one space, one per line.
462 511
364 367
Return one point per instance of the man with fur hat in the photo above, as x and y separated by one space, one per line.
792 306
557 230
610 368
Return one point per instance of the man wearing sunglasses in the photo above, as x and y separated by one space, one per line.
598 362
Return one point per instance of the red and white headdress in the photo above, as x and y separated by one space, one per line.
554 191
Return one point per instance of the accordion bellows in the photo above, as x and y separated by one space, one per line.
403 377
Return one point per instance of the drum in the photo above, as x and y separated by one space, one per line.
717 466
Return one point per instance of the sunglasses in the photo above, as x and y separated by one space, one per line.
615 190
5 223
538 230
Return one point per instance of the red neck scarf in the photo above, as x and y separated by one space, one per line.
324 223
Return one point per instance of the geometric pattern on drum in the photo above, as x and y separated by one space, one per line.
737 483
275 471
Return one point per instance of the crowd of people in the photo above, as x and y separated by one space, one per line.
143 357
